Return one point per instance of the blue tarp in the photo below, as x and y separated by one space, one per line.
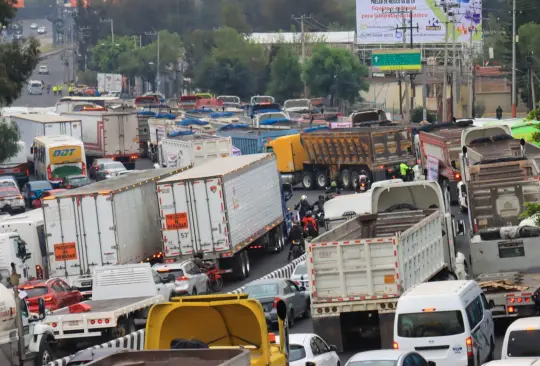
273 121
192 121
221 114
316 128
147 113
233 126
180 133
165 115
204 110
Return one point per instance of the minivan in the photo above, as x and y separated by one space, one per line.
35 87
522 339
447 322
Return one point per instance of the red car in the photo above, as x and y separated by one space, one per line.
56 293
37 203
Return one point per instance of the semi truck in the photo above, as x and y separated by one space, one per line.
223 209
342 154
17 166
33 125
109 135
114 221
193 149
358 270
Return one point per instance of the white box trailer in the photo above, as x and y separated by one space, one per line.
222 208
110 135
358 270
114 221
192 149
33 125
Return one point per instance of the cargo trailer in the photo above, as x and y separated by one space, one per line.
192 149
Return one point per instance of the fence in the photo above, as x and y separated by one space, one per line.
135 341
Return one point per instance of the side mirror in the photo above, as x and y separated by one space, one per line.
41 308
32 150
460 227
281 309
333 348
171 278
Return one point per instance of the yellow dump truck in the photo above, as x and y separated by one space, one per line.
220 321
314 158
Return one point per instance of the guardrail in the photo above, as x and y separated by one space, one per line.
135 341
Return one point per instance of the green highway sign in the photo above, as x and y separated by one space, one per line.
396 60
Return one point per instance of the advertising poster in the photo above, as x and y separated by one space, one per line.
376 21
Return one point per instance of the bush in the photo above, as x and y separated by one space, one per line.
417 115
87 77
479 110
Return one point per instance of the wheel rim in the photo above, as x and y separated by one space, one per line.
346 179
46 358
307 181
321 180
243 266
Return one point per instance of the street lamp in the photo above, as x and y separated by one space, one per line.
112 26
158 78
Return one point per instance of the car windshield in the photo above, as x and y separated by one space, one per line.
373 363
7 183
300 270
41 185
431 324
262 290
524 343
114 165
164 273
78 180
297 352
9 191
35 85
36 291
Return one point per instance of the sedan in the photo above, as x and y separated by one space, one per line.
11 200
300 276
33 26
39 203
44 69
189 280
55 292
76 181
33 190
95 166
109 170
269 292
41 30
309 347
388 357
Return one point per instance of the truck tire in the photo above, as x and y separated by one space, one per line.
246 263
345 177
124 327
354 180
321 180
45 354
308 181
239 267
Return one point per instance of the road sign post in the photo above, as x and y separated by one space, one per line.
396 60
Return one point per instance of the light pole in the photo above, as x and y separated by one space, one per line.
158 78
112 26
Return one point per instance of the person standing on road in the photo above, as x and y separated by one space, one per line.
55 89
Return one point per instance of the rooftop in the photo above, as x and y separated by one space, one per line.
46 118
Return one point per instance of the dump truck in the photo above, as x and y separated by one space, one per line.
221 321
192 149
290 155
206 357
343 154
215 209
359 269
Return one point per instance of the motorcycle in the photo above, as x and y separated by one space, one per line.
319 217
215 280
363 184
297 249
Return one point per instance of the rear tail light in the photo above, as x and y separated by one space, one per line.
469 343
276 300
68 187
183 278
49 172
83 169
395 345
457 175
39 272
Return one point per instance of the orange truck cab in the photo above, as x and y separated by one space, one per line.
230 321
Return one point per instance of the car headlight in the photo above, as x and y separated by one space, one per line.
108 176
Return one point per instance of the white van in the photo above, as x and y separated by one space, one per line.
522 339
35 87
447 322
30 227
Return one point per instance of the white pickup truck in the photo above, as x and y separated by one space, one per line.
121 294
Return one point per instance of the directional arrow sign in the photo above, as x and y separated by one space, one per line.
396 60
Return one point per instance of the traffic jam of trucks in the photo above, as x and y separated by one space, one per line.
392 264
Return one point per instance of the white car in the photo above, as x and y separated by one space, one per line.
43 69
189 280
300 276
33 26
520 339
388 357
41 30
515 362
308 347
11 199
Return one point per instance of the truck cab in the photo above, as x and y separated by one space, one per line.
220 321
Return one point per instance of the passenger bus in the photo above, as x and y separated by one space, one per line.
17 166
58 156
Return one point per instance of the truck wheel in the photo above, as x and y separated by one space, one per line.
239 267
307 180
354 180
321 180
125 326
246 263
45 354
345 177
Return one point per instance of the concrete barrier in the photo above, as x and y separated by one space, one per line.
135 341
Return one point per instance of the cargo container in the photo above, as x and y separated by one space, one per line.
114 221
251 140
223 207
17 166
110 135
192 149
32 125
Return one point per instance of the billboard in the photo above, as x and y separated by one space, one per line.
109 82
376 21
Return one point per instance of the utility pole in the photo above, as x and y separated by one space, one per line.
448 14
470 104
412 76
302 20
407 100
454 85
112 27
514 96
158 77
530 94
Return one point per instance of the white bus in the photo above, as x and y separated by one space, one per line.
58 156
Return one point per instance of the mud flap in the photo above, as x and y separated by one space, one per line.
329 328
386 326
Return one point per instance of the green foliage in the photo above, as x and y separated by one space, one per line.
105 55
285 75
87 77
232 16
532 210
417 115
9 136
479 109
336 72
226 75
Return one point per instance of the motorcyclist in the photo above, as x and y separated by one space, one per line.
295 234
303 206
320 203
310 225
362 179
198 260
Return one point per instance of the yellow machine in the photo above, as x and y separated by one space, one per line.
204 95
291 156
221 321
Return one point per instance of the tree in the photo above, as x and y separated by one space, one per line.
9 136
232 15
105 55
336 72
17 60
285 75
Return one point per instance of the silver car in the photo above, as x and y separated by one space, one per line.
109 170
300 276
189 278
270 291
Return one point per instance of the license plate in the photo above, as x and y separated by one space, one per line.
73 323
